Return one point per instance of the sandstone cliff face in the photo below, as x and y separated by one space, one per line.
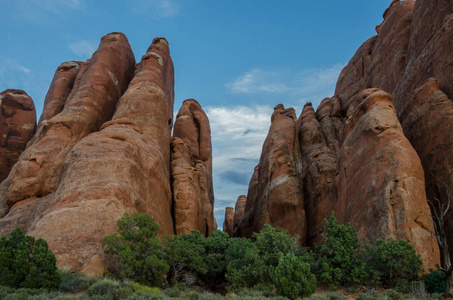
319 140
379 186
191 164
93 103
103 148
422 69
275 192
17 126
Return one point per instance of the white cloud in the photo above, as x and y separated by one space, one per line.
8 64
36 10
258 81
155 8
299 87
238 135
83 48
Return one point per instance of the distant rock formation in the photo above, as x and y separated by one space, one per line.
17 127
228 222
103 147
355 157
275 192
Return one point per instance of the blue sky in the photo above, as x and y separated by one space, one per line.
238 58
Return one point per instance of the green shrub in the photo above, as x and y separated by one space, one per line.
185 255
75 282
136 287
215 259
292 277
136 252
250 263
111 289
173 292
435 281
26 262
394 263
340 260
242 262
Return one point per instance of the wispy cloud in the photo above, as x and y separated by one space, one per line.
8 64
156 8
237 134
35 10
83 48
298 87
258 81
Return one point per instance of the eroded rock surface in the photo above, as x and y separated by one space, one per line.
103 148
191 164
17 126
380 181
38 170
275 191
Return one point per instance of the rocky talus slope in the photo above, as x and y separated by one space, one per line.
378 151
102 148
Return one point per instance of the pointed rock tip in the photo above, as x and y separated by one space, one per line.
67 65
160 40
279 107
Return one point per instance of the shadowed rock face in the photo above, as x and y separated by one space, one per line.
103 148
318 164
229 221
17 126
61 86
379 186
275 191
417 39
191 164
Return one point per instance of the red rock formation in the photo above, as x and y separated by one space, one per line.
17 126
78 177
319 165
228 223
380 180
275 192
61 86
239 209
380 61
38 170
92 194
414 44
191 164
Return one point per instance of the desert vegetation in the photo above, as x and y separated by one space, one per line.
189 266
